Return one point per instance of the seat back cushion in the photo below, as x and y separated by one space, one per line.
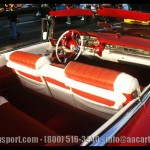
26 66
93 75
55 79
54 75
101 77
100 85
29 60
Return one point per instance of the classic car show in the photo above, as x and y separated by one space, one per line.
75 75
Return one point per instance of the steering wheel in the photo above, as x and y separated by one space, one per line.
69 45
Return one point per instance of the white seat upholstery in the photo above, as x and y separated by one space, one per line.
26 66
55 78
97 89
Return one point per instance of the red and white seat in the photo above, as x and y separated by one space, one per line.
94 89
98 90
26 66
55 77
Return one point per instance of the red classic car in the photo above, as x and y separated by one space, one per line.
82 89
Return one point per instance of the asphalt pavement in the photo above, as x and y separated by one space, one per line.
27 24
31 30
22 18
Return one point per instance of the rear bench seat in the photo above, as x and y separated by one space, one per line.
93 87
14 123
26 66
55 78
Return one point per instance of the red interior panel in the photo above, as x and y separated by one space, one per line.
129 41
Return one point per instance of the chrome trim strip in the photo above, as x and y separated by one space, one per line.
102 140
113 130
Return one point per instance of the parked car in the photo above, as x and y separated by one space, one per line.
26 6
60 6
142 8
86 88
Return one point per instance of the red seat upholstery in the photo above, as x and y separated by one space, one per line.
25 59
93 75
26 66
55 79
95 87
14 123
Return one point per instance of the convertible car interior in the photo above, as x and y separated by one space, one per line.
46 96
72 88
